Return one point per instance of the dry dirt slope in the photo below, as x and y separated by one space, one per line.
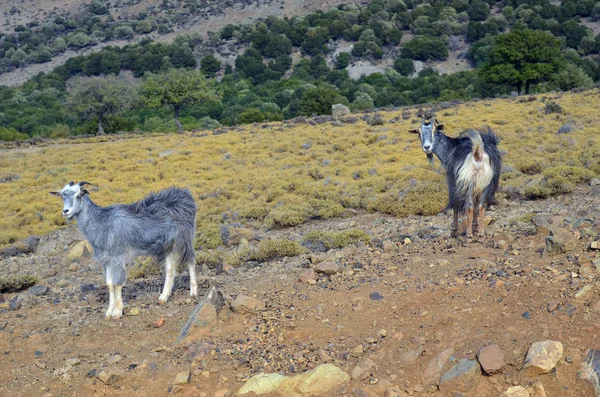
383 316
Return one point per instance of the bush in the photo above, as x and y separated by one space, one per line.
404 66
144 26
425 48
78 40
318 240
60 131
251 116
552 107
342 60
17 283
210 65
276 248
124 32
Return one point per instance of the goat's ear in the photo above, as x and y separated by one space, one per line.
414 131
440 126
55 193
83 192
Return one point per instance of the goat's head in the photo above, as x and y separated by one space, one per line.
427 131
72 195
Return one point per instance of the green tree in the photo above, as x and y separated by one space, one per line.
177 88
99 97
404 66
318 101
425 48
210 65
479 10
523 57
342 60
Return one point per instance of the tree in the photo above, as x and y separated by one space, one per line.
342 60
425 48
317 101
523 57
99 97
177 88
479 10
209 65
404 66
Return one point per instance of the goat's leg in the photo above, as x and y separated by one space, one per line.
111 301
476 219
118 310
454 232
481 231
169 279
193 281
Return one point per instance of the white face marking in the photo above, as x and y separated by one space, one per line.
71 195
427 134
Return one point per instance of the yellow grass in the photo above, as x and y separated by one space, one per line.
264 177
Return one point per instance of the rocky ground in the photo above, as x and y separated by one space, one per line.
414 314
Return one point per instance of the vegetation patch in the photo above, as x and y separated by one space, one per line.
144 267
318 240
17 283
276 248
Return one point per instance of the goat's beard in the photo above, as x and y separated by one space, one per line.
430 159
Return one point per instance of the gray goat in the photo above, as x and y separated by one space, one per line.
162 225
473 164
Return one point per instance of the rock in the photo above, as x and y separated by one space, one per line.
542 357
328 268
114 359
552 306
82 249
595 245
462 377
198 351
135 311
182 378
357 351
308 277
363 370
389 246
491 358
338 110
590 370
158 323
560 241
436 365
2 299
316 382
375 296
566 128
594 182
15 303
412 355
26 246
516 391
203 316
71 362
537 390
38 354
243 304
38 290
394 392
584 293
221 393
111 376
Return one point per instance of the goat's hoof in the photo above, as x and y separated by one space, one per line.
161 301
194 290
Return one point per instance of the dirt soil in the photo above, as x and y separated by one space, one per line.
414 289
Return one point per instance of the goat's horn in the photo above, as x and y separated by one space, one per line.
83 183
71 183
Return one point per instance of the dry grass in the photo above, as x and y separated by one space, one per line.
271 179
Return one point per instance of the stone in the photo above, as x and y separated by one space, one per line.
560 241
363 370
197 351
542 357
38 290
112 375
243 304
394 392
584 293
2 299
221 393
595 245
411 355
135 311
590 370
552 306
462 377
491 358
537 390
516 391
357 351
338 110
71 362
182 378
15 303
434 368
203 317
328 268
566 128
594 182
114 359
316 382
308 277
82 249
158 323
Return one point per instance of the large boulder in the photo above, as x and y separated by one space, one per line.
339 110
542 357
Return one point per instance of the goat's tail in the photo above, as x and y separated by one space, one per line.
477 146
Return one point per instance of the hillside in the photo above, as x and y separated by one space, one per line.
325 239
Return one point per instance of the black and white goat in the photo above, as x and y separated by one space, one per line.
473 164
162 225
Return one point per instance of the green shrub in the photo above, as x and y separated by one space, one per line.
17 283
276 248
322 240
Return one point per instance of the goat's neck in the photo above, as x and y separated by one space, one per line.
443 148
87 217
